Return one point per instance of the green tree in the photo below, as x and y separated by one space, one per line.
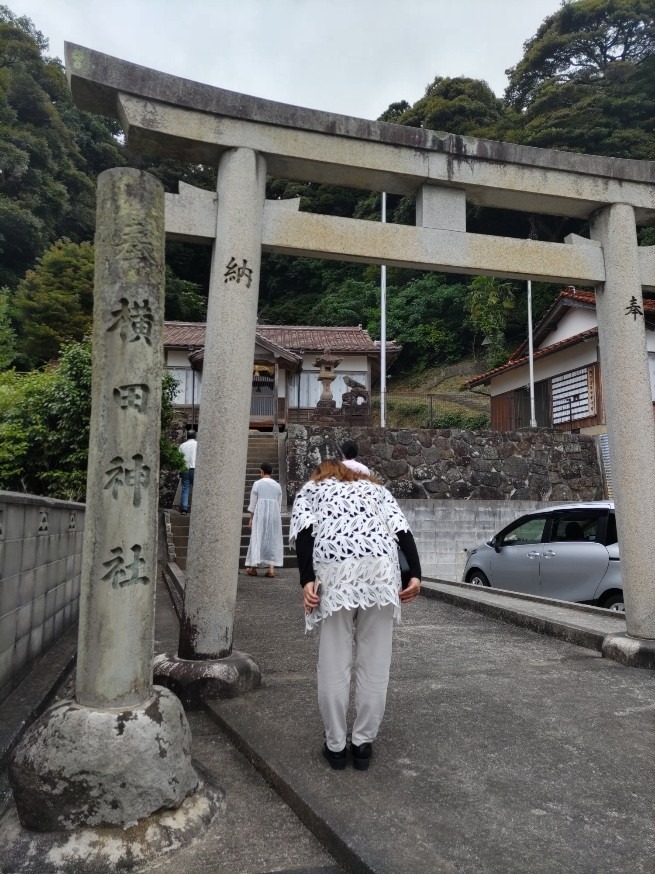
183 302
291 287
7 333
19 395
170 457
50 152
428 316
586 82
352 302
489 302
54 302
457 105
44 426
584 41
395 112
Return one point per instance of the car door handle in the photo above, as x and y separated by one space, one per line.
548 553
534 554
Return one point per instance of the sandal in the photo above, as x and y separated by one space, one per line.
251 572
269 574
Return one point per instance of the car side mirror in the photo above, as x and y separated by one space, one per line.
494 543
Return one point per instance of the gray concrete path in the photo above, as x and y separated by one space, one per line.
502 750
258 833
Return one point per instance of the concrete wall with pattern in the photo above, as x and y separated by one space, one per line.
40 566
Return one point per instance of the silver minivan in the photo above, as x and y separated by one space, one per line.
570 553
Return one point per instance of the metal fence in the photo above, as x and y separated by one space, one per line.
468 410
519 422
434 410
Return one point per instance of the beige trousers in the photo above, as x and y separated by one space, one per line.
372 630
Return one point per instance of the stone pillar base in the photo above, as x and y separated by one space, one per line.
326 413
194 680
91 850
78 766
635 652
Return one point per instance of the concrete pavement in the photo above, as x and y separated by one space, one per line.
258 833
503 750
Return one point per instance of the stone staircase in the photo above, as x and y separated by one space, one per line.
261 447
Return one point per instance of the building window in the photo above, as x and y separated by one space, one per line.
188 386
651 370
574 395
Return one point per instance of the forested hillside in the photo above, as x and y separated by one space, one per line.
586 82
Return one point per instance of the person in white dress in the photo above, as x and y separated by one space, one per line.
265 547
347 528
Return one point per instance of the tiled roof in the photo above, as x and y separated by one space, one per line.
184 334
589 297
538 353
198 355
308 338
295 338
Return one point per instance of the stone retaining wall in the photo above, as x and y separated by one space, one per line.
531 465
40 566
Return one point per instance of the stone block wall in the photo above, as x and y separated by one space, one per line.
531 465
40 566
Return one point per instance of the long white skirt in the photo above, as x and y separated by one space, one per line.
265 545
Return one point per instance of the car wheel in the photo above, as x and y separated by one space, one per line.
614 602
477 578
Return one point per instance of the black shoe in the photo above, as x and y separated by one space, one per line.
336 760
361 755
184 512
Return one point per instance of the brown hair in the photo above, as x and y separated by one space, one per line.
334 468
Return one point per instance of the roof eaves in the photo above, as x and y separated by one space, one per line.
484 378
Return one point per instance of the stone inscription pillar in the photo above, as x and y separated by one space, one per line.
216 519
629 411
120 549
122 750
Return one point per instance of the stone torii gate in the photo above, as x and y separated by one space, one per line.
248 138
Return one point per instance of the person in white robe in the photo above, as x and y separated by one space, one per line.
265 547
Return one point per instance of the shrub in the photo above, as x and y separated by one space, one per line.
44 426
465 421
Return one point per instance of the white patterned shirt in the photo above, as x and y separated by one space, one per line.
355 555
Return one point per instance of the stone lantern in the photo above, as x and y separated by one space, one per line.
326 408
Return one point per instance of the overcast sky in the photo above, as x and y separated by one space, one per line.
348 56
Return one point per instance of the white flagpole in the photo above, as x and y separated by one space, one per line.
533 418
383 330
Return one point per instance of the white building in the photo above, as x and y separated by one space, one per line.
567 374
285 387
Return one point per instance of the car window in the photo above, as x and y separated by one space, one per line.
575 526
528 531
610 534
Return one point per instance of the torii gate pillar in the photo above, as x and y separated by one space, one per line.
215 532
624 362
